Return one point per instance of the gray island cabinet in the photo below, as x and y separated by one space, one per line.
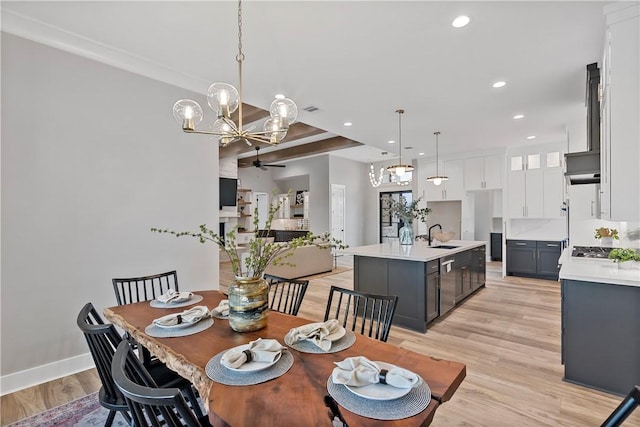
428 281
600 324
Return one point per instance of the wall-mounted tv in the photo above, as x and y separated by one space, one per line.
228 192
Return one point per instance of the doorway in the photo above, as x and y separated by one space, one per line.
337 211
390 224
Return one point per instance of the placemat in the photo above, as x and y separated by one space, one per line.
406 406
343 343
193 300
217 372
158 332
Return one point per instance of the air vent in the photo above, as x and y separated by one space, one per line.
408 148
310 108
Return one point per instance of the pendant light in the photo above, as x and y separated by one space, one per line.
437 178
399 169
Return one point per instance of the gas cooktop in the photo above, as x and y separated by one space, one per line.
591 251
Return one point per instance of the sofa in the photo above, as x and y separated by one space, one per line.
307 260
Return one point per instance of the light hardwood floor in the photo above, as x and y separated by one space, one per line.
508 335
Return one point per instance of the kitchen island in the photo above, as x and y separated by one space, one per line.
600 323
428 280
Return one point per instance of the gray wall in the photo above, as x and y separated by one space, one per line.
355 177
91 159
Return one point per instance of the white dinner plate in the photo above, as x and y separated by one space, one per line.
379 391
177 326
250 366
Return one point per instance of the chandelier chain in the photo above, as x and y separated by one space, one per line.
240 56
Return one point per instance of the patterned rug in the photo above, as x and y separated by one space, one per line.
82 412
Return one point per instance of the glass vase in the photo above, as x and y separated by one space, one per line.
248 304
406 235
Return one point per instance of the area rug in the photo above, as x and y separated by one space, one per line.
82 412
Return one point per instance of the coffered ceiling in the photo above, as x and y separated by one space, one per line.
355 61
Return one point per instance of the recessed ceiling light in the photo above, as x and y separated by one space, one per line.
499 84
348 123
460 21
280 96
391 141
420 154
531 137
518 116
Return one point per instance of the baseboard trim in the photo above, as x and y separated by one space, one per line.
44 373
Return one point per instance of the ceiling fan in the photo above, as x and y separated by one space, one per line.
257 163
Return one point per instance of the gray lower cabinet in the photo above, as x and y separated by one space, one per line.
478 267
418 284
601 335
531 258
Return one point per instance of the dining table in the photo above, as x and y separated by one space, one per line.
295 397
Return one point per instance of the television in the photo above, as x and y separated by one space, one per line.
228 192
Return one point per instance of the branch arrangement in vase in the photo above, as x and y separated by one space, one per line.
261 251
407 211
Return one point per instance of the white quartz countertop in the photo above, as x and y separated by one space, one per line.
419 251
596 270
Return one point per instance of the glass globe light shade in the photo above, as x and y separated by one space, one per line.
223 128
223 98
275 132
187 111
285 108
437 181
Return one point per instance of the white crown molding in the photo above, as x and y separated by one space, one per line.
40 32
41 374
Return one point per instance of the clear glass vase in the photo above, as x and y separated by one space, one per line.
248 304
406 235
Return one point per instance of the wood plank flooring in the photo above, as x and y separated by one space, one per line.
508 335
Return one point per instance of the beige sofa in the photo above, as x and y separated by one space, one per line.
308 260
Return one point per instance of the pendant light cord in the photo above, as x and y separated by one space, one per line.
400 113
240 58
437 161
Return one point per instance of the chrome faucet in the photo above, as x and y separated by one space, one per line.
430 228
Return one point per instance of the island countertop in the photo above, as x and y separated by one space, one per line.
596 270
419 251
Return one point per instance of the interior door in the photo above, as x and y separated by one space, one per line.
261 201
337 212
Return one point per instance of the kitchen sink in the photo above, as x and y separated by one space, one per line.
444 247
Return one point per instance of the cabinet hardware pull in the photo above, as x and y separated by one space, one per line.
552 245
521 244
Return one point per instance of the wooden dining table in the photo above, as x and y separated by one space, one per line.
296 397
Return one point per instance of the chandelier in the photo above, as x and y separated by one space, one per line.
225 99
437 178
375 182
398 170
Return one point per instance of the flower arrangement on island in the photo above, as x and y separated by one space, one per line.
261 251
623 255
407 211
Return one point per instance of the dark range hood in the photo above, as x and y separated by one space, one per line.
584 167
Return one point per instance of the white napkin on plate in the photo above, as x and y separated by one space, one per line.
174 296
193 315
360 371
317 333
265 351
222 309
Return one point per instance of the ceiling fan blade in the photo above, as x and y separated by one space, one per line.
263 167
276 166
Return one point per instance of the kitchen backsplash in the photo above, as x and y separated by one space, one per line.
538 229
582 233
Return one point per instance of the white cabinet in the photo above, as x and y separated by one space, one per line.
620 150
451 189
483 173
584 201
535 187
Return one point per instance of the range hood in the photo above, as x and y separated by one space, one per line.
584 167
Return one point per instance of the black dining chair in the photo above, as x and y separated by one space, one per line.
145 288
626 407
150 405
286 295
103 339
371 314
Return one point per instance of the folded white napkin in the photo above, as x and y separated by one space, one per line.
193 315
265 351
317 333
222 309
174 296
360 371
